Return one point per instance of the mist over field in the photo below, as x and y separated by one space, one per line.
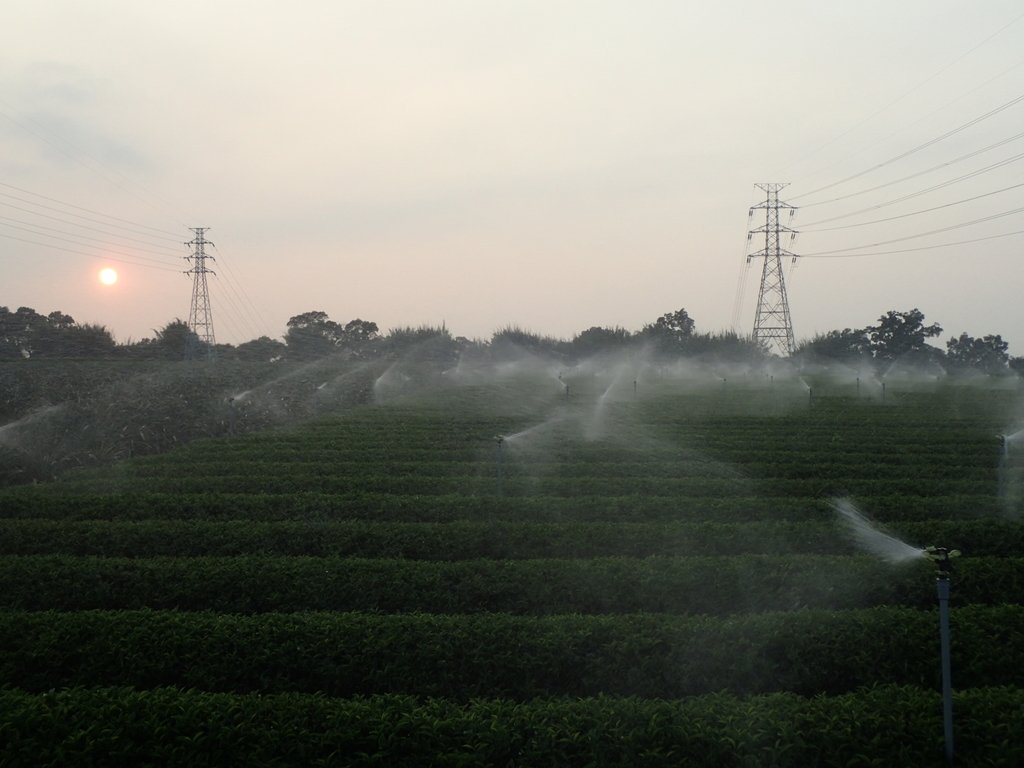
511 384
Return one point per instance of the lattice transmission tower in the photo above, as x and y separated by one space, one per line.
200 316
773 327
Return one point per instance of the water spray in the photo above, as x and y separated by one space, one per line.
941 556
869 537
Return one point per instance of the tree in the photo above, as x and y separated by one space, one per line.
88 340
359 337
424 344
988 354
597 340
513 341
670 333
312 334
261 350
847 344
678 323
26 333
902 334
19 332
175 340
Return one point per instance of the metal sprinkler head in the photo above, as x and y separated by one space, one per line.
499 439
942 557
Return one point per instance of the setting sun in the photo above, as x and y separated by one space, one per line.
108 276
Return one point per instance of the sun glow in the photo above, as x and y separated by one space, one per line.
108 276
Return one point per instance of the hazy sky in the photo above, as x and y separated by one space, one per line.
555 165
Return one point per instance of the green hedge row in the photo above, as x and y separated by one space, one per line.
635 467
553 485
58 502
652 655
711 585
890 726
367 450
464 540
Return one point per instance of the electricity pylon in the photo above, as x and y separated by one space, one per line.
200 316
773 328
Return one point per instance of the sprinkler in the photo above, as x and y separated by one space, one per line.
858 386
942 559
231 415
567 393
634 389
883 391
499 456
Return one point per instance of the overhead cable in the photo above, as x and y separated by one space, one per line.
916 213
832 255
175 236
918 173
921 234
921 84
912 195
84 253
918 148
103 248
163 248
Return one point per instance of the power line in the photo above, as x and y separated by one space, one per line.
164 234
921 234
919 147
918 173
84 253
88 244
232 298
63 232
124 182
921 119
912 195
256 316
833 255
912 90
163 248
917 213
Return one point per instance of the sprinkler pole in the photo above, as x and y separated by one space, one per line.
634 389
567 393
231 415
941 556
883 391
500 460
858 386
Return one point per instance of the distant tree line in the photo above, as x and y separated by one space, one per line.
897 335
903 336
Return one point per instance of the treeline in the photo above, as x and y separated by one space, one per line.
898 336
26 334
902 337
